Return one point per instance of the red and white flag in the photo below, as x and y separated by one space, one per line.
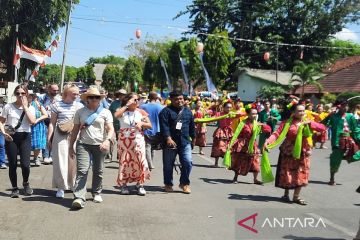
32 54
17 55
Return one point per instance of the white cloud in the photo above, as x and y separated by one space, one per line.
347 34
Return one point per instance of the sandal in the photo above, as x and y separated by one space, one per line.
332 183
285 198
300 201
257 182
201 153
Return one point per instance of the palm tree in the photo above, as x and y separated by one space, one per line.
306 74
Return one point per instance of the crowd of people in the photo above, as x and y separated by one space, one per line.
76 132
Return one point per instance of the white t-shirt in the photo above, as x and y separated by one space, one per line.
94 134
128 121
12 115
65 111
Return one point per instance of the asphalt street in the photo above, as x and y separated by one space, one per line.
211 211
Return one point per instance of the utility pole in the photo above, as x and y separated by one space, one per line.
16 71
65 47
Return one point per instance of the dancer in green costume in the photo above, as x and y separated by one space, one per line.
269 116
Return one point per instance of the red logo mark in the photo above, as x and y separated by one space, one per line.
253 217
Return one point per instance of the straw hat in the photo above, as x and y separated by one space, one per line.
91 92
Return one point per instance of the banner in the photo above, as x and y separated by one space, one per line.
186 79
166 75
210 85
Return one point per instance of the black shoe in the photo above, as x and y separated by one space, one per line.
27 189
358 189
15 193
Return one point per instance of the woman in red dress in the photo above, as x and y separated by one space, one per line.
200 128
222 134
244 160
293 173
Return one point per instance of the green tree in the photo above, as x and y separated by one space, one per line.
152 71
218 55
70 74
132 73
297 21
112 78
38 19
51 73
193 67
305 74
269 92
174 65
109 59
85 74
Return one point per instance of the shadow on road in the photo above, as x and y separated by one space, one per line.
203 165
321 182
310 238
45 195
223 181
357 204
256 198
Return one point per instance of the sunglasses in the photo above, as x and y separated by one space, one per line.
94 97
22 93
136 99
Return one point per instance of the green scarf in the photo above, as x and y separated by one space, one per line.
214 119
255 132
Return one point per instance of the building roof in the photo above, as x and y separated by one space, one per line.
268 75
344 75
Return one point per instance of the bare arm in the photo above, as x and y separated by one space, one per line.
51 128
120 111
145 123
44 114
74 134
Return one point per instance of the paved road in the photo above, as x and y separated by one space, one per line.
209 212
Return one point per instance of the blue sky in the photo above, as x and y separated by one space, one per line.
116 22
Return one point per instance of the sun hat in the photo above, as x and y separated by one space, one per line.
91 92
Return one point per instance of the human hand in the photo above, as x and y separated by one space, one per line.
170 143
105 146
138 126
8 137
24 101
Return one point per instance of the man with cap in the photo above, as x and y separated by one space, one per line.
178 130
345 137
119 95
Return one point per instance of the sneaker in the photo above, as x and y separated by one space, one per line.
185 188
78 204
168 188
48 160
15 193
27 189
37 162
60 193
141 190
97 198
124 190
3 166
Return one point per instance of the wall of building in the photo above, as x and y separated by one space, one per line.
249 86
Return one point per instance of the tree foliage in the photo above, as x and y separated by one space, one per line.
152 71
112 78
132 72
85 74
269 92
38 20
305 74
109 59
297 22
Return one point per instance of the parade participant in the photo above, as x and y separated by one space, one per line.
245 154
50 97
259 105
223 134
237 108
153 109
320 137
200 128
345 137
58 137
178 130
2 139
269 116
95 125
38 130
133 166
18 117
294 160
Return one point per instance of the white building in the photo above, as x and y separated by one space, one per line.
250 81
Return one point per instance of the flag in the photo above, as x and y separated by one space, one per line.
186 79
32 54
210 85
166 75
17 55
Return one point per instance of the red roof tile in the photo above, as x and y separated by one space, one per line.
341 64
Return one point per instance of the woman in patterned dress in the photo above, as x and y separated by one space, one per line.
223 134
38 130
242 160
133 166
200 128
293 173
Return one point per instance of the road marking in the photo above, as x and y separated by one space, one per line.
333 225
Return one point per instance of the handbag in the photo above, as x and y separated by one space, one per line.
12 130
156 141
65 127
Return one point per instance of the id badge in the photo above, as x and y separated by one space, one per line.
178 125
